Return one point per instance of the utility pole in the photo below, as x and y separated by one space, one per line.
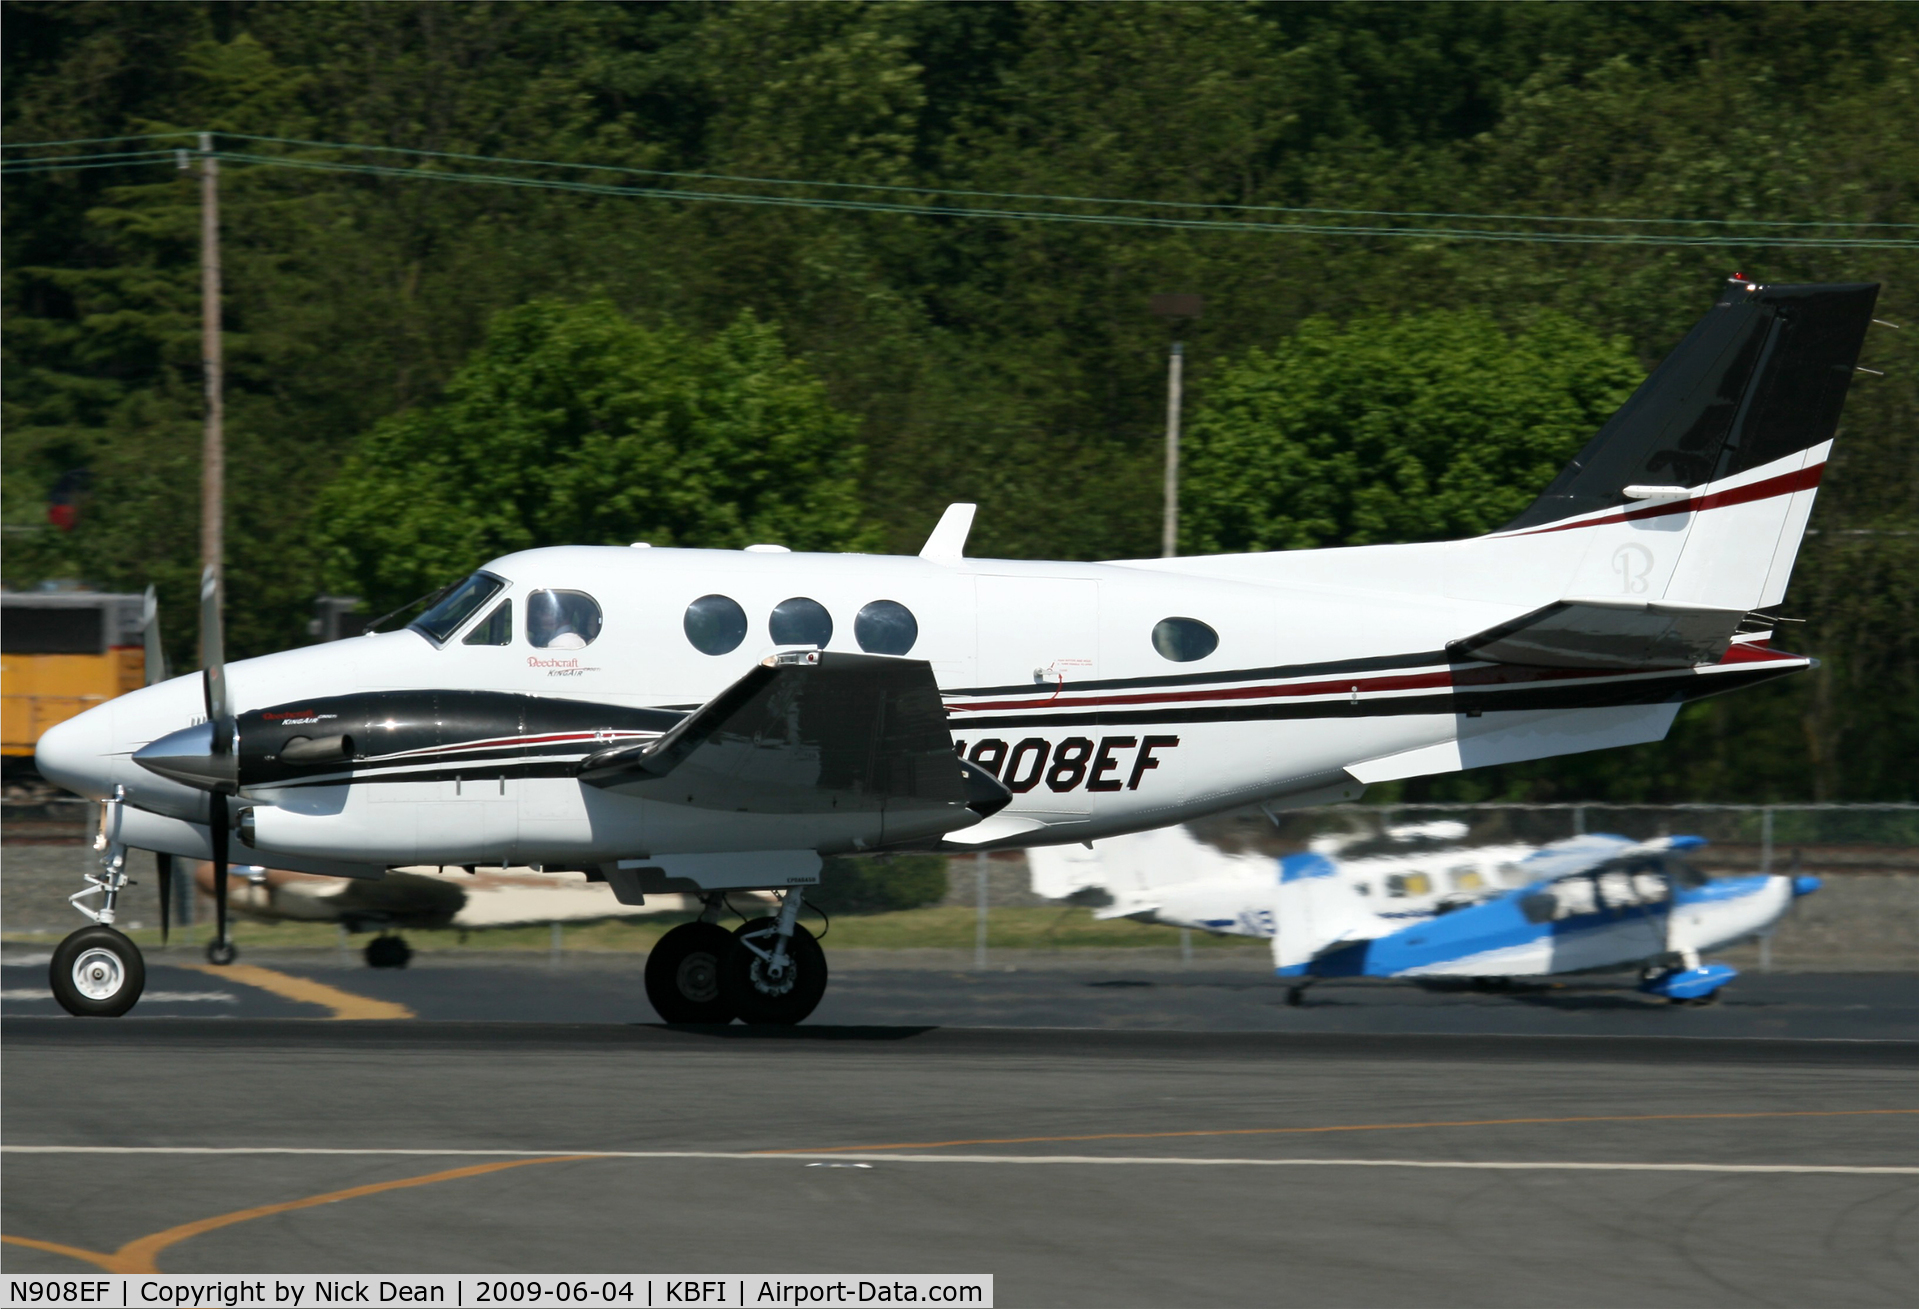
1175 377
1178 309
213 455
979 921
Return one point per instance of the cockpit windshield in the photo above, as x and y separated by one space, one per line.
444 618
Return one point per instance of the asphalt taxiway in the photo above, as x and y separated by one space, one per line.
1121 1156
1038 990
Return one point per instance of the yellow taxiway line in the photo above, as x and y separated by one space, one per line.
344 1004
138 1256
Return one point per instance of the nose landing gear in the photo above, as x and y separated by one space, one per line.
97 973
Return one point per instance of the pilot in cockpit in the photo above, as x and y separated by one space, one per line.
548 626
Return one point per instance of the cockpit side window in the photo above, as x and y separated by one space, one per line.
444 618
561 620
495 629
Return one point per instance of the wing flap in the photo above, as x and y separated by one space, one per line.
808 733
1613 635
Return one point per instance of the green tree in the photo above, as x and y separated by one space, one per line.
1011 363
1415 428
573 424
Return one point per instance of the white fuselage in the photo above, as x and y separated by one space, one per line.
1329 671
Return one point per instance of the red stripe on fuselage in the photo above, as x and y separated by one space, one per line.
1802 479
1482 675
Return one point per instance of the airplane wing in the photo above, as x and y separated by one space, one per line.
1606 634
1579 854
806 733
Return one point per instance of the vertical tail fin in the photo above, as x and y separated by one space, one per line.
1761 378
1698 490
1315 907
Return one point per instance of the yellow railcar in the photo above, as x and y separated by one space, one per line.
62 652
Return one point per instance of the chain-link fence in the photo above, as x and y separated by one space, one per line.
1829 838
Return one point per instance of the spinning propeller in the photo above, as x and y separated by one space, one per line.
156 673
220 746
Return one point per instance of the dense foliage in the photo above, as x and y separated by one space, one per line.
1423 427
1011 362
878 884
573 425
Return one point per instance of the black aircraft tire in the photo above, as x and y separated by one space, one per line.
97 973
388 952
758 999
221 953
683 974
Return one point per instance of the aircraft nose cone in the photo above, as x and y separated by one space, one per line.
77 753
188 756
1805 884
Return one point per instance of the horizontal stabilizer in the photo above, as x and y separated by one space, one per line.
1615 635
809 733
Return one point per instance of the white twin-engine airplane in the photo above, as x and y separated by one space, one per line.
698 720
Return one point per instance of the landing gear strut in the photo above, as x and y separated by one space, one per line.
97 972
775 972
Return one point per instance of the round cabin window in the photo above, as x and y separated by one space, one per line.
800 621
1184 639
886 627
715 624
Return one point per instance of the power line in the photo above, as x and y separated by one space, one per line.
1060 199
94 140
1008 195
956 211
1114 220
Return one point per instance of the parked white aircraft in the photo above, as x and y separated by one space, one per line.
696 720
420 899
1171 876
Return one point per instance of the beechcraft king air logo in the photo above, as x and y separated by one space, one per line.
1633 563
557 667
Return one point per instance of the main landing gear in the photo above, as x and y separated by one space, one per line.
771 971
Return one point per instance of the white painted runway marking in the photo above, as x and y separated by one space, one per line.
1199 1161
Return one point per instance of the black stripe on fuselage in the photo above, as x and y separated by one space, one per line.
511 771
1491 700
454 758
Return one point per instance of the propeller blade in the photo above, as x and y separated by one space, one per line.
217 827
213 650
150 637
165 863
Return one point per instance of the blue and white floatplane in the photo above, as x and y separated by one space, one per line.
1418 905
